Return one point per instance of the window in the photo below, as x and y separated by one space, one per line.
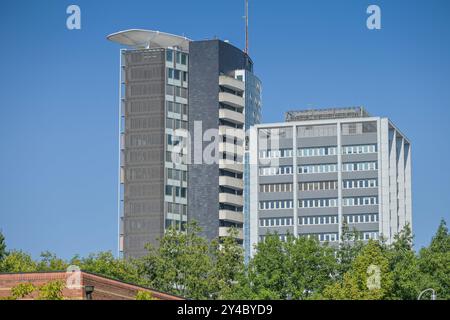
169 190
169 55
184 59
176 74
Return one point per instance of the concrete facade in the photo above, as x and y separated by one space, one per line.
320 175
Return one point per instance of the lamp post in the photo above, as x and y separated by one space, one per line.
433 294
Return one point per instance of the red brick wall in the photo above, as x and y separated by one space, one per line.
8 281
104 288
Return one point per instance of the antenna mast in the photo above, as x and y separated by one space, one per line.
246 26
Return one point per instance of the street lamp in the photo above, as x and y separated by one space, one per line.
433 294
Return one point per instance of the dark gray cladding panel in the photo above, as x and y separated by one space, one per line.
203 180
144 150
207 60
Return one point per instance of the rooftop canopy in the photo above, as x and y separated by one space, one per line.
139 39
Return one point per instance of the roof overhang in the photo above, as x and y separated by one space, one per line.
139 38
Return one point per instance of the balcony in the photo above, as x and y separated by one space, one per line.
231 148
232 199
231 132
231 100
231 216
231 182
225 232
231 83
231 165
231 116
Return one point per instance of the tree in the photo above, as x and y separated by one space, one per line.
22 290
434 263
369 277
228 266
52 290
267 271
180 265
292 269
144 295
2 247
349 248
310 267
105 264
404 265
50 262
18 261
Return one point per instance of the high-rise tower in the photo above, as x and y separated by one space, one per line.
184 108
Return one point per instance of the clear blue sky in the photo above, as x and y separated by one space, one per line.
59 92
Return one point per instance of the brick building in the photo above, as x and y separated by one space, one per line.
79 286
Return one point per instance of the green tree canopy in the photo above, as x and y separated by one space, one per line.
434 263
369 277
2 247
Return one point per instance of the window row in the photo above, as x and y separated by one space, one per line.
361 218
175 224
175 174
176 157
318 220
275 204
177 208
176 107
359 184
317 203
179 192
360 149
275 171
282 237
318 151
276 222
281 153
317 186
276 187
370 235
176 74
359 166
180 57
323 237
176 91
360 201
174 140
176 124
318 168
